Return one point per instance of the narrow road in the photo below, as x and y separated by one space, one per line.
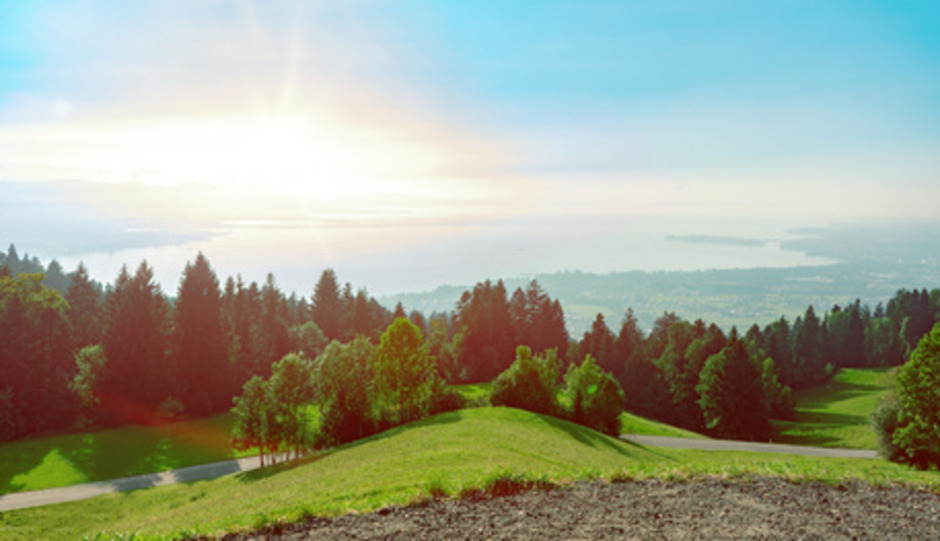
733 445
23 500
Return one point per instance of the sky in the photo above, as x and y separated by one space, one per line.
420 142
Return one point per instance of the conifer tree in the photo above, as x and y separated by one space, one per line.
85 313
202 361
327 307
137 376
733 399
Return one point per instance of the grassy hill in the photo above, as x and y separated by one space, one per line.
836 414
634 424
447 454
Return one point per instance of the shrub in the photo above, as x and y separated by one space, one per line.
530 383
594 397
884 421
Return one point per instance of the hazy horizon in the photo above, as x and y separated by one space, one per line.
412 144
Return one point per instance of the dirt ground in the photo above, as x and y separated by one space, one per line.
764 508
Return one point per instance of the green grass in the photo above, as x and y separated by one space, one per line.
445 455
634 424
73 459
836 415
108 454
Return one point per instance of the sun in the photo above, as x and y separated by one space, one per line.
290 154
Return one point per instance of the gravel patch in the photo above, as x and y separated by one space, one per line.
762 508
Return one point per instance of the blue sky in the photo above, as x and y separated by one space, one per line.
431 114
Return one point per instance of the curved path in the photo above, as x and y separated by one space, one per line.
23 500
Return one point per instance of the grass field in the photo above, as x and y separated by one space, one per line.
475 393
836 415
449 453
72 459
94 456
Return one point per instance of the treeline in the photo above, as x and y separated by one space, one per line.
129 353
54 276
661 373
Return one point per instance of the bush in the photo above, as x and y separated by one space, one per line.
594 397
446 399
915 427
884 421
530 383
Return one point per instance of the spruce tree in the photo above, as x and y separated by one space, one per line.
327 307
201 346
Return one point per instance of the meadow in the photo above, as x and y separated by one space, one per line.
71 459
837 414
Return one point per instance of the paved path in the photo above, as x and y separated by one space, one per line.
732 445
22 500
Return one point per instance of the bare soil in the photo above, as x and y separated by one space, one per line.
763 508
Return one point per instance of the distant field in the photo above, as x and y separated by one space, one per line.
836 415
475 393
445 454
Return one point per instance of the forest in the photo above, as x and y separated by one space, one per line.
76 354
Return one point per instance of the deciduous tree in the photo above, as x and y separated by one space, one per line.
406 377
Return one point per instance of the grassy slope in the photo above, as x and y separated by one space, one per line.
479 393
634 424
836 415
452 452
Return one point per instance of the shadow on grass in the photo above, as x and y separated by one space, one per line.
112 454
824 419
21 463
281 467
592 438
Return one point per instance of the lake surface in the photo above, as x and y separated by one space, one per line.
389 258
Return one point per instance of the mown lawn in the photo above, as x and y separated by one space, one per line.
448 453
837 414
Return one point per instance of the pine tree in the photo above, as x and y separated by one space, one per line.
85 312
599 343
733 399
485 342
273 331
137 376
202 361
327 307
